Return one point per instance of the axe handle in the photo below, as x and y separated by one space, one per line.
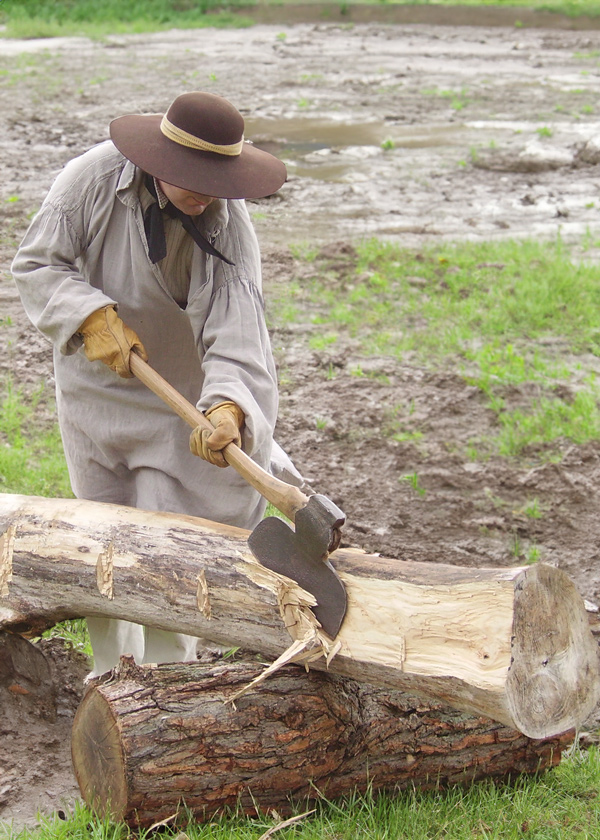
285 497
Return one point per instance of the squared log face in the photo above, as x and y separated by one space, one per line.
464 628
511 644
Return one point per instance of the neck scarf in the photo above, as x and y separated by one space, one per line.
155 229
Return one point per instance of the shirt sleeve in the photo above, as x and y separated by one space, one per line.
55 296
238 362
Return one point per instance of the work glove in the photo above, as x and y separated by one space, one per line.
228 420
107 339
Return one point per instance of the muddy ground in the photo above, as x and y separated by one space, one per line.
415 133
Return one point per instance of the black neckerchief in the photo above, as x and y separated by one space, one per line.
155 229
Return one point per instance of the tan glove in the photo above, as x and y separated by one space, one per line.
228 420
107 339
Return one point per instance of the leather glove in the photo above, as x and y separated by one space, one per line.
107 339
228 420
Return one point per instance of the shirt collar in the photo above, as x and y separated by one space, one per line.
161 197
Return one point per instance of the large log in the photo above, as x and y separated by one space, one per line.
148 740
512 644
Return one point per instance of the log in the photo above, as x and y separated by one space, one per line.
512 644
149 740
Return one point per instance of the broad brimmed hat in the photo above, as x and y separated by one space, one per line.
199 145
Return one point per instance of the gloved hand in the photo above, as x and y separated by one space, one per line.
107 339
228 420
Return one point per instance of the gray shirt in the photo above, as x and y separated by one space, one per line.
86 248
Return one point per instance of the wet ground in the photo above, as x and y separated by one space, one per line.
410 132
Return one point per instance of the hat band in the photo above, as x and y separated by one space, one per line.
178 135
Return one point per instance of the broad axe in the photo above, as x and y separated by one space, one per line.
301 554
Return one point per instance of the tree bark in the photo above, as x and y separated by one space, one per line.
511 644
149 739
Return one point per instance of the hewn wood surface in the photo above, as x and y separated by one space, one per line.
151 737
511 644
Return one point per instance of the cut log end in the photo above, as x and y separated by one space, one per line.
98 759
553 682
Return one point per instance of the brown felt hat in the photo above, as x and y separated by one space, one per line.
199 145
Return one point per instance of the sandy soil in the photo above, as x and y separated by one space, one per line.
466 111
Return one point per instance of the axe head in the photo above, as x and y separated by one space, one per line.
302 554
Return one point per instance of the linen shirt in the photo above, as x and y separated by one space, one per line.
85 249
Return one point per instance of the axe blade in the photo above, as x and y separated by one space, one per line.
302 555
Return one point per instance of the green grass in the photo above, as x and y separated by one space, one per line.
511 316
561 804
32 460
98 18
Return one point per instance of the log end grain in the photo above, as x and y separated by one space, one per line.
553 683
98 760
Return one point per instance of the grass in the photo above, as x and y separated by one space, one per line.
560 804
99 18
32 460
518 319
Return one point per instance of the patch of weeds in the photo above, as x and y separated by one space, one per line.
75 632
311 77
32 460
516 546
285 309
458 99
544 131
321 342
388 144
303 251
591 54
413 480
407 436
532 509
498 363
396 428
533 555
547 421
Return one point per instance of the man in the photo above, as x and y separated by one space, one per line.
144 244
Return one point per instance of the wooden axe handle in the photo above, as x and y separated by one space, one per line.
285 497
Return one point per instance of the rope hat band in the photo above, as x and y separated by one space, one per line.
184 138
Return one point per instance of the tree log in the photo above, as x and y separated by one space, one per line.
148 739
512 644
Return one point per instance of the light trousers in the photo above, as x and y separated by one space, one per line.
112 638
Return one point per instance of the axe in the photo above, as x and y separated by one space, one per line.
301 554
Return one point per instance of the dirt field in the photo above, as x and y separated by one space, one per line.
492 132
